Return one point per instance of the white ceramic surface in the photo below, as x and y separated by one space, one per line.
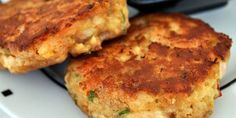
35 96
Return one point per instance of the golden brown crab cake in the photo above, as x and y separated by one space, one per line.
167 66
39 33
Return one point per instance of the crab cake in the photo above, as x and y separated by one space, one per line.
39 33
167 66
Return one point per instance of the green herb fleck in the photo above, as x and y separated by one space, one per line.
77 77
123 112
124 30
123 17
91 95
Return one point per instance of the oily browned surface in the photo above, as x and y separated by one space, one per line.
180 56
24 22
168 65
39 33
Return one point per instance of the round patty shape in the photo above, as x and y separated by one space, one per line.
167 66
39 33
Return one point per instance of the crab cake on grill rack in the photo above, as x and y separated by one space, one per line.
39 33
167 66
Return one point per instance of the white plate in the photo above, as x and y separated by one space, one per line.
35 96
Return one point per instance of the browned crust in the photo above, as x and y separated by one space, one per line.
41 19
178 59
221 48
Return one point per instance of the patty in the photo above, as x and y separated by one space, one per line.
167 66
39 33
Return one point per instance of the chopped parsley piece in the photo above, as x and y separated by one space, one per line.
123 112
123 22
123 17
77 77
91 95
